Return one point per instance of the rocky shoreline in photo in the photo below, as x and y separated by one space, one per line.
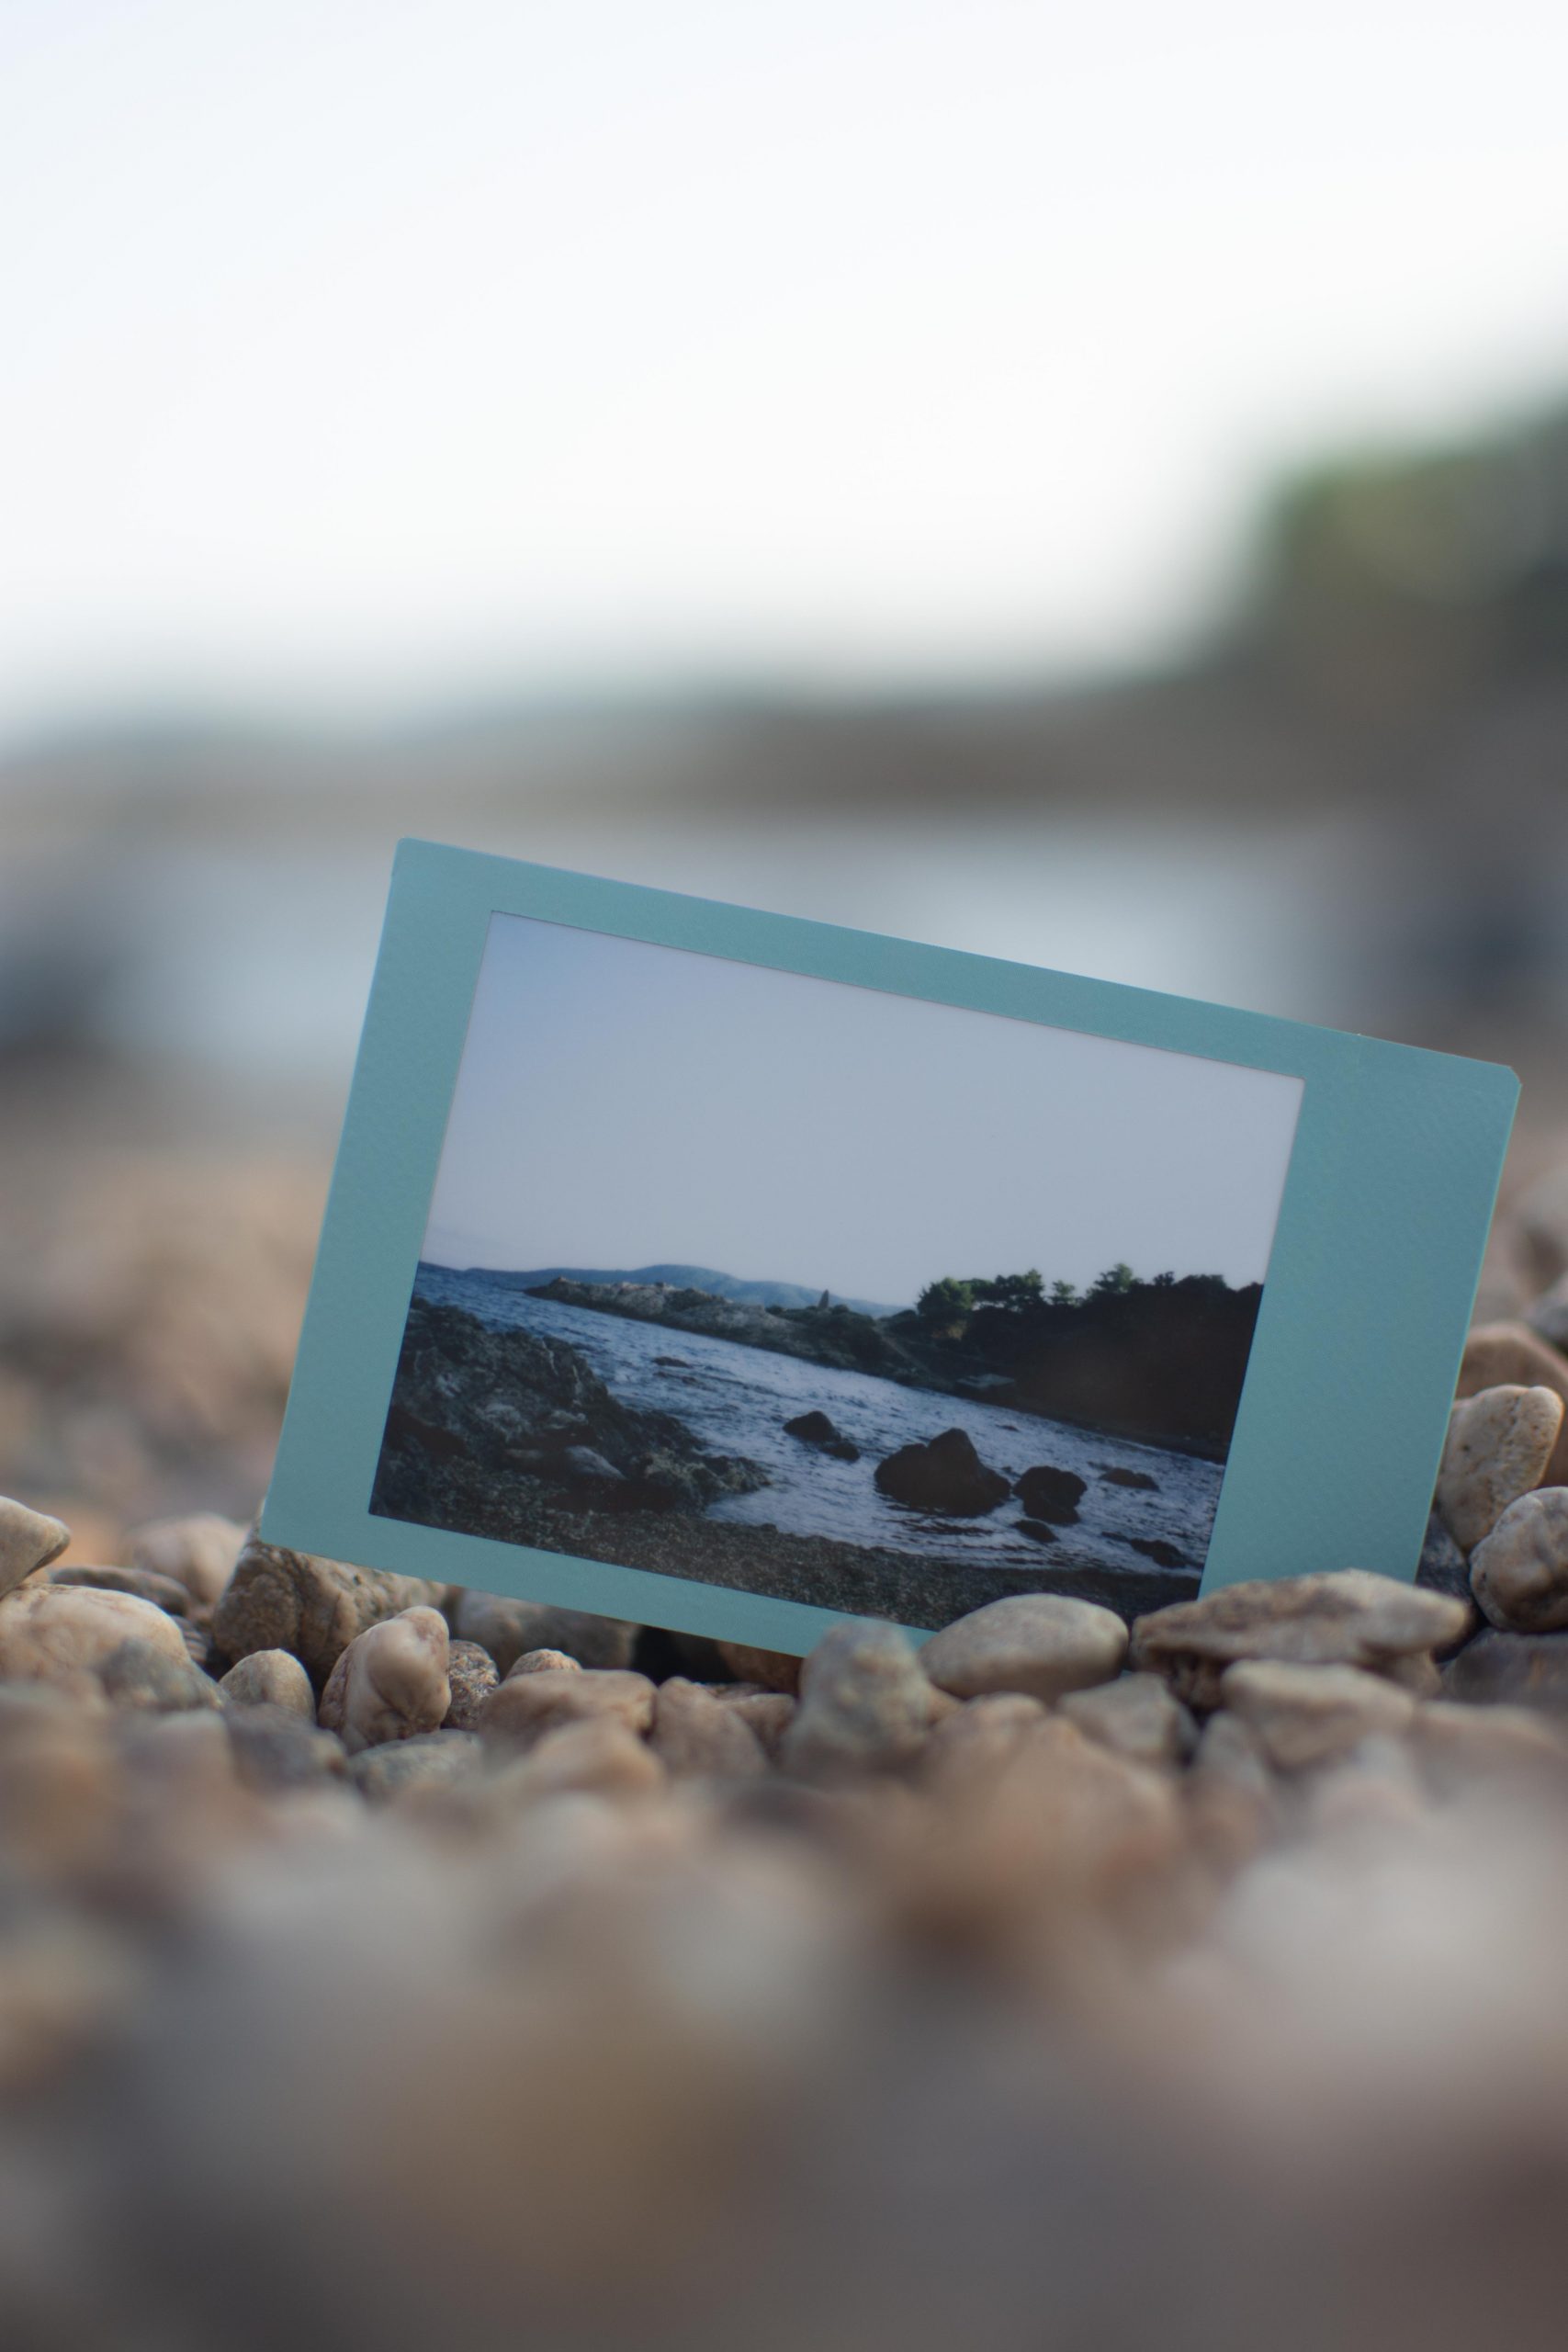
509 1434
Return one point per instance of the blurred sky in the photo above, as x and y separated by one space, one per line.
358 353
621 1105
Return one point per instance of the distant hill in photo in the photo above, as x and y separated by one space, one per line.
706 1278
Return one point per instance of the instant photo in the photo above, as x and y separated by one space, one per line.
735 1273
885 1306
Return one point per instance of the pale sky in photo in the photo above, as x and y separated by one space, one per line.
359 352
620 1104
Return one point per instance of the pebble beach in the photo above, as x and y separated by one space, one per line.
383 1963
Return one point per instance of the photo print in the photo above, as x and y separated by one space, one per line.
833 1295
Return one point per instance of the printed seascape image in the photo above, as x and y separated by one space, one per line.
841 1296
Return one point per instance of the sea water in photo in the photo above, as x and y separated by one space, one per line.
736 1400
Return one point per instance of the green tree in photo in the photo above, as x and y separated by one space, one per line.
1115 1282
946 1302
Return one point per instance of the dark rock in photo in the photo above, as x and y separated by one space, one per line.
1049 1494
1037 1531
1117 1477
1154 1548
821 1430
475 1408
946 1476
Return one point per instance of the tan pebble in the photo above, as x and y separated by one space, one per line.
1137 1717
1510 1355
1520 1572
1344 1617
601 1754
543 1662
58 1780
769 1713
165 1592
390 1683
387 1771
970 1747
771 1670
1420 1674
47 1632
1499 1443
1035 1642
694 1736
471 1675
29 1539
270 1679
1062 1812
1457 1745
313 1608
1041 1643
198 1551
1307 1715
1376 1784
527 1706
864 1703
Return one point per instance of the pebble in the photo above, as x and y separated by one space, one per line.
1306 1715
1345 1617
273 1748
1499 1443
426 1759
270 1679
1519 1573
390 1683
769 1713
864 1703
1455 1742
145 1584
29 1541
136 1675
770 1669
528 1706
1038 1643
58 1787
313 1608
1230 1755
47 1632
695 1735
1512 1670
544 1662
1137 1717
198 1551
471 1675
599 1756
1510 1355
970 1747
508 1628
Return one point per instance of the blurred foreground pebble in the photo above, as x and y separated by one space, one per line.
383 1964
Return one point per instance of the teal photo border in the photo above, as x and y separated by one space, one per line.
1376 1257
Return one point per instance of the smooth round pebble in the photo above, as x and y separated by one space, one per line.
1519 1573
29 1541
270 1679
1041 1643
1499 1443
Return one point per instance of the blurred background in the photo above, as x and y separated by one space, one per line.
1088 486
